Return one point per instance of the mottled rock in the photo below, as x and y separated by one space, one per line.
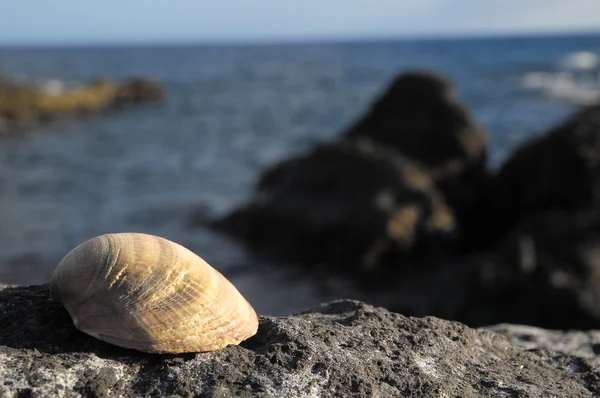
390 189
136 91
545 272
548 267
352 206
520 246
581 343
557 170
342 349
24 105
540 216
3 125
420 116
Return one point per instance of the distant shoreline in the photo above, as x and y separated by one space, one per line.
300 41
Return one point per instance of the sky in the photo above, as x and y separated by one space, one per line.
153 21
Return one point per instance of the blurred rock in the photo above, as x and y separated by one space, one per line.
557 170
547 272
390 190
404 197
25 105
353 206
341 349
539 220
539 223
17 102
3 125
420 116
136 91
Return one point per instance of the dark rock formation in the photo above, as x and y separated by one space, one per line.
404 197
136 91
549 269
352 206
561 169
392 188
545 272
420 116
557 170
540 223
491 288
342 349
3 125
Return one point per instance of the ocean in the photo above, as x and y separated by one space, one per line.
230 112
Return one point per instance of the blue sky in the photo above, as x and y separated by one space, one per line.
125 21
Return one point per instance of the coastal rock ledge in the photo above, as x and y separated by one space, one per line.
344 348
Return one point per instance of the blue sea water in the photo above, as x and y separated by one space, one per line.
230 112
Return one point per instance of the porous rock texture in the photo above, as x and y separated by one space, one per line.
585 344
345 348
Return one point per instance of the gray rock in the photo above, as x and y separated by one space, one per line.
557 170
585 344
345 348
352 206
388 192
421 116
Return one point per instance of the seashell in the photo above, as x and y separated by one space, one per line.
147 293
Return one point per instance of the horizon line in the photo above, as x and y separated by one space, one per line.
296 40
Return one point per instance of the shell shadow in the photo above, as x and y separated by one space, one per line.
31 320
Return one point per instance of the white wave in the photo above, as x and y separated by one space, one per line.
536 80
580 60
569 89
577 80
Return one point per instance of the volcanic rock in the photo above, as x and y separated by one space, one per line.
342 349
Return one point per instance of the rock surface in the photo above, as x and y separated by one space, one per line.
551 264
421 117
396 184
403 200
24 105
585 344
136 91
354 207
557 170
342 349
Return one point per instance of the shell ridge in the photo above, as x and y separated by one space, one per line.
149 292
58 280
118 276
145 294
91 282
113 261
